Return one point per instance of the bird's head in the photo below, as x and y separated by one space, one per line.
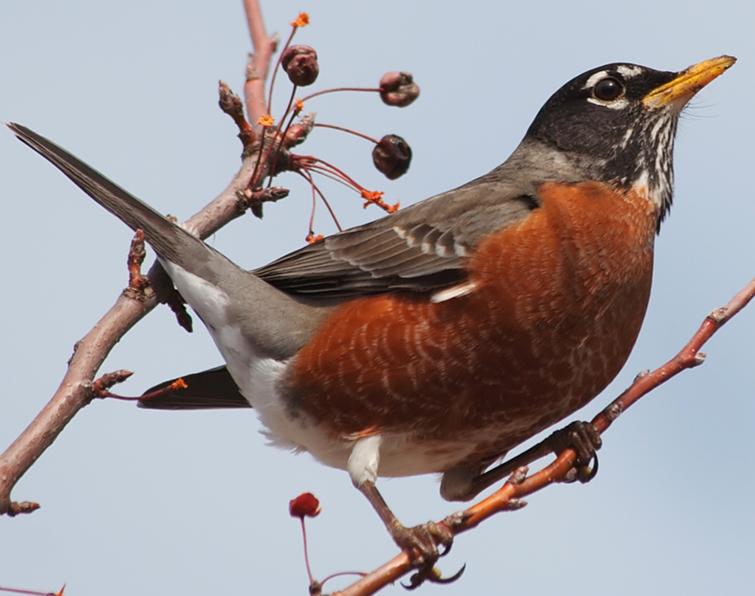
619 122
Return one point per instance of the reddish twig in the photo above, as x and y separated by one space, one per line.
689 357
520 485
259 62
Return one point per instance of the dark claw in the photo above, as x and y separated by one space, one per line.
432 575
446 549
451 579
588 472
415 581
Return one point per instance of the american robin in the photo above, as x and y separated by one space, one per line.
438 338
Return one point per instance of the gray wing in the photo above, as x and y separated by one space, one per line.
421 248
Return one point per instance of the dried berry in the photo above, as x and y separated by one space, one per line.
300 63
398 89
305 505
392 156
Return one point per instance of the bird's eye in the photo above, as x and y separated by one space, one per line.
608 89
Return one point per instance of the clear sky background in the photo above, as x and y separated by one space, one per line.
137 502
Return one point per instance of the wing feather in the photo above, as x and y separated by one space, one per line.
423 248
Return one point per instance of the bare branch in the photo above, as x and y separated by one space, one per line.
519 485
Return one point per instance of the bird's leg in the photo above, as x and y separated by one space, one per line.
420 542
580 436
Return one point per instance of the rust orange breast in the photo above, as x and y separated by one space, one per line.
559 300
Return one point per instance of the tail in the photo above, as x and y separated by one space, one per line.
272 322
170 241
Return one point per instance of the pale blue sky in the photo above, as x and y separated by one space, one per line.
145 503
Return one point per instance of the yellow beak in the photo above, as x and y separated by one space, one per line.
688 82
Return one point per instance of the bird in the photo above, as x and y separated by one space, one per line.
438 338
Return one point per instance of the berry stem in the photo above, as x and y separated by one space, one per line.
279 134
306 550
348 130
277 68
339 89
315 189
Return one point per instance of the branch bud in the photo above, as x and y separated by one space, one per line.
297 133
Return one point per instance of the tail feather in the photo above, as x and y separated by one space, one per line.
214 388
170 241
274 324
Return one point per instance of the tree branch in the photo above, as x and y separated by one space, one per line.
259 62
75 390
520 485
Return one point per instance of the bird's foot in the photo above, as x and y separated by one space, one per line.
585 440
425 544
420 542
